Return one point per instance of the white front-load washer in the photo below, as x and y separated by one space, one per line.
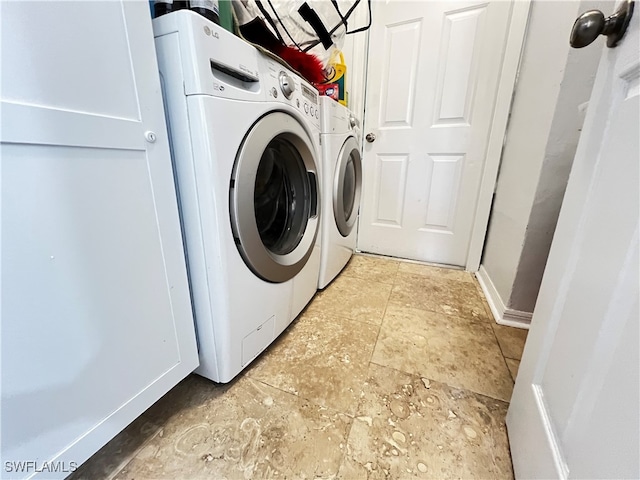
305 98
341 183
245 152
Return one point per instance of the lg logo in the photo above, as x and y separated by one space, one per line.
208 31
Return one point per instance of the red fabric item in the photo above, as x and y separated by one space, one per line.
306 64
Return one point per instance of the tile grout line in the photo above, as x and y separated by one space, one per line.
475 320
138 451
442 383
384 313
503 356
444 315
312 402
448 315
356 277
296 395
492 322
250 376
368 365
351 418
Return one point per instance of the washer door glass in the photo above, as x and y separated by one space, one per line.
347 186
274 198
281 187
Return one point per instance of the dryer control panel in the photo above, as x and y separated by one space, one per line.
336 118
282 85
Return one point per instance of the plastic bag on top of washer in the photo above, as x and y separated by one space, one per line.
317 27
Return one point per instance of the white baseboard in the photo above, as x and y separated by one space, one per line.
501 313
516 318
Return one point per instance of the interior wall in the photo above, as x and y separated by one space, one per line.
355 53
561 147
553 82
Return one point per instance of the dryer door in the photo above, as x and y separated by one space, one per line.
346 186
274 197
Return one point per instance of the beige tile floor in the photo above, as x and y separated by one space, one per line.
395 371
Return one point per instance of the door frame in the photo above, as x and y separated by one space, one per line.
506 87
518 24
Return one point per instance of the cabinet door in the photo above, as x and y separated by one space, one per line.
96 314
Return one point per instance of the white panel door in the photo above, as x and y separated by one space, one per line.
575 411
96 314
431 88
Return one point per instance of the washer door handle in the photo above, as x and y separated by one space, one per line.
313 185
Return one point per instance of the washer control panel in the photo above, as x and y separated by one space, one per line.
284 86
310 97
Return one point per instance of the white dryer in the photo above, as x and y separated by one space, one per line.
341 184
244 134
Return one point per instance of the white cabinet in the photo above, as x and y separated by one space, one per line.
96 314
